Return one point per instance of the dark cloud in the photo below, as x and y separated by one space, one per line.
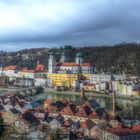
40 23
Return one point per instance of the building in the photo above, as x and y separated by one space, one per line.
69 67
62 79
119 134
10 71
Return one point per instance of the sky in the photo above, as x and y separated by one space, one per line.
54 23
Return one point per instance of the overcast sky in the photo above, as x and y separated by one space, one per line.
49 23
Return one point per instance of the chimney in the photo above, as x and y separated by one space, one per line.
114 103
82 93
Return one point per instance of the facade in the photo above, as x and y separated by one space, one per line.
69 67
10 71
60 79
95 78
40 81
119 134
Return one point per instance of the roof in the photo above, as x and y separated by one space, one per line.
34 104
79 54
84 111
90 84
68 122
86 64
121 131
28 71
28 116
11 67
69 110
72 64
2 108
48 101
69 64
15 111
136 127
88 124
51 108
93 115
40 67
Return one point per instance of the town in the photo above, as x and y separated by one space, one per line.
65 75
23 117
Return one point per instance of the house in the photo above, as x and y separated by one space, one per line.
95 132
55 124
10 71
97 78
68 123
34 104
41 81
36 135
89 87
39 115
47 102
86 126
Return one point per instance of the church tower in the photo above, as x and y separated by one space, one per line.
63 57
51 63
79 58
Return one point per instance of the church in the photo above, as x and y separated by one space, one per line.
69 67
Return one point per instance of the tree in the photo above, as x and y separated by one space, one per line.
55 135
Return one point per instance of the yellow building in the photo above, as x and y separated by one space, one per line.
63 79
86 76
124 89
135 93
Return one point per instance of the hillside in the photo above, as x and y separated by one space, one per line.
121 58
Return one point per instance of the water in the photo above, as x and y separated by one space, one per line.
104 101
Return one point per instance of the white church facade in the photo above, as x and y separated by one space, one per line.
69 67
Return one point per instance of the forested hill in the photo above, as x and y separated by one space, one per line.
122 58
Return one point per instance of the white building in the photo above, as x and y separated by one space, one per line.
69 67
10 71
40 81
95 78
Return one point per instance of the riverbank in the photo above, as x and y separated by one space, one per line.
92 94
89 94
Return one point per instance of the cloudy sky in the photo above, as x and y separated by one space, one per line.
49 23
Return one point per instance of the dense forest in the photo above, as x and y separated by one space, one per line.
120 58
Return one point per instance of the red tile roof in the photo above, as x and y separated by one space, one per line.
52 109
90 84
88 124
82 112
48 101
69 64
136 127
40 67
72 64
11 67
93 115
121 131
28 71
69 110
85 64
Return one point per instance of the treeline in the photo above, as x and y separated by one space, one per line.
117 59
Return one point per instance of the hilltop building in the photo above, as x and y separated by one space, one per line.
69 67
